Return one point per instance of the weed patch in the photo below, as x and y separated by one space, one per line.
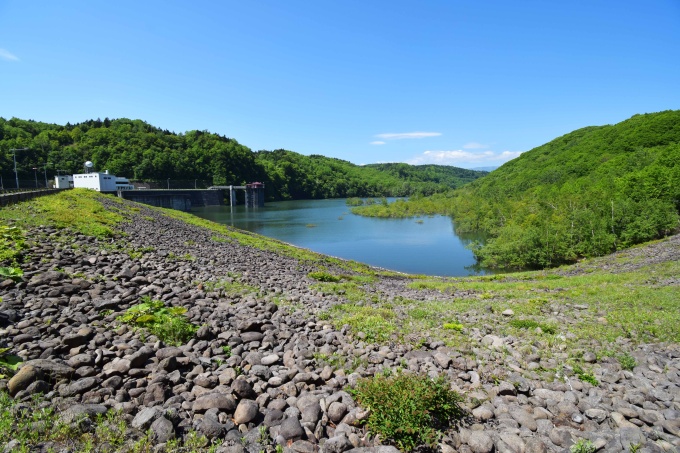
408 410
167 323
12 242
585 376
531 324
376 324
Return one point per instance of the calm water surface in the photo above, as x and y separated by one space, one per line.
427 245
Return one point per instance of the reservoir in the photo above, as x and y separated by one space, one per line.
424 245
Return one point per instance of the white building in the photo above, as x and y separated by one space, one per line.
63 182
101 182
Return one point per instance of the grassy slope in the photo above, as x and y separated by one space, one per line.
634 303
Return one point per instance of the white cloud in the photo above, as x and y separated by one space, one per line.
403 135
7 55
377 142
474 145
462 158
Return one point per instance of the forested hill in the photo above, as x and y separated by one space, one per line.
140 151
587 193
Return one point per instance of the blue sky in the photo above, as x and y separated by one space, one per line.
464 83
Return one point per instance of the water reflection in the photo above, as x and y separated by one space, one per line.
428 245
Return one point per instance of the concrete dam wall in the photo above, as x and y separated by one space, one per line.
181 200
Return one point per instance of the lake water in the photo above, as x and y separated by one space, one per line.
426 245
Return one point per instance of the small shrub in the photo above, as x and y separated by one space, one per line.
408 410
523 324
167 323
324 277
585 376
627 361
453 326
8 363
582 446
11 243
12 273
530 324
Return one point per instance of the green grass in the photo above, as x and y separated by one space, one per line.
77 209
627 304
531 324
377 324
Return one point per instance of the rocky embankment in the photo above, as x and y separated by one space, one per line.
254 374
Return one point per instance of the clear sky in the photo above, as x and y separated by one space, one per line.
467 83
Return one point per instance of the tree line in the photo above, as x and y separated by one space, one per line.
142 152
587 193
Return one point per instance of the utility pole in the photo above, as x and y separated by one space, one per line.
35 173
14 155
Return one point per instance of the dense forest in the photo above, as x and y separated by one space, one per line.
587 193
141 152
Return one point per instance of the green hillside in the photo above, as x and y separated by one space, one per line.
587 193
143 152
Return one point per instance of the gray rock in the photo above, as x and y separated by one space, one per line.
246 411
561 437
507 389
145 417
273 417
535 445
79 411
336 411
483 413
311 413
20 381
631 436
336 444
243 389
597 415
79 387
514 443
52 368
269 359
480 442
522 417
214 400
291 429
212 429
162 430
118 366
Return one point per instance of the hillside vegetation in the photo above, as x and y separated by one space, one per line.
587 193
140 151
